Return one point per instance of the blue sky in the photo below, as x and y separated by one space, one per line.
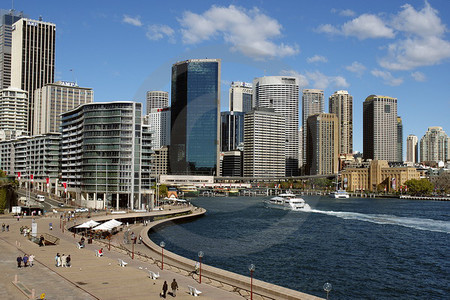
393 48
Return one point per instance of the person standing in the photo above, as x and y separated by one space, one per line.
68 259
3 227
31 260
25 260
63 260
19 261
164 289
174 286
7 227
58 260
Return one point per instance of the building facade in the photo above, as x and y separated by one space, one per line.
322 145
232 164
412 149
157 99
51 100
281 94
264 143
399 139
380 128
33 58
312 103
377 176
434 145
195 117
159 121
13 113
241 94
101 147
232 130
341 104
7 19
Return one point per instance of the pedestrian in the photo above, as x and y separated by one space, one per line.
63 260
41 241
164 290
68 259
58 260
50 226
18 218
19 261
3 227
7 227
174 286
31 260
25 260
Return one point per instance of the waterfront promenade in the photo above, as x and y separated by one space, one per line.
92 277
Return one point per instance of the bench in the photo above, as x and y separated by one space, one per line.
193 291
122 263
153 275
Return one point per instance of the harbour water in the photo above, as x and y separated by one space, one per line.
366 248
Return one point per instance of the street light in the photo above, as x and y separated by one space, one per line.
162 245
200 255
251 268
327 288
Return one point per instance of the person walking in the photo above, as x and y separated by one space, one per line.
63 260
3 227
41 240
19 261
31 260
174 286
164 289
7 227
68 259
58 260
25 260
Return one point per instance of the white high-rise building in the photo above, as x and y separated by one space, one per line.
157 99
281 94
159 121
53 99
412 148
13 113
312 103
341 104
241 94
435 145
33 58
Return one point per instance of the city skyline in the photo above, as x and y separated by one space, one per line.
321 44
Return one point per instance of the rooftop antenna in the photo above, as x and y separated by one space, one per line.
73 77
40 18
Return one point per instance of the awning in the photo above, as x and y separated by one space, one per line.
88 224
108 225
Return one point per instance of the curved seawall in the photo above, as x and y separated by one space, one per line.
229 280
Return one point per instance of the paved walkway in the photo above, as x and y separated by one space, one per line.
90 277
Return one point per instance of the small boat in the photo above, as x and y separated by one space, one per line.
287 201
339 194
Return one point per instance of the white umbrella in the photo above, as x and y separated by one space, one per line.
88 224
108 225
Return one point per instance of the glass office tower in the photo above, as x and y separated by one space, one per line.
195 117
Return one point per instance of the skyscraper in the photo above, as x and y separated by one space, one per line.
264 143
157 99
312 103
399 139
380 128
341 104
195 117
159 121
435 145
53 99
7 19
13 113
241 96
412 148
281 94
232 130
33 58
322 144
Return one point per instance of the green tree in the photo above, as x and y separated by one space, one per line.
442 182
419 187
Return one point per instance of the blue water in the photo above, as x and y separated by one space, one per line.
366 248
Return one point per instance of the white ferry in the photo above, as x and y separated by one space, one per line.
339 194
288 202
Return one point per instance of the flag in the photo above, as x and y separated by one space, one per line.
48 181
65 186
31 177
18 175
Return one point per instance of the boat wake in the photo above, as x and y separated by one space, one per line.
416 223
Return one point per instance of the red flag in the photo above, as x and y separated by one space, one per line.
65 186
48 181
31 177
18 175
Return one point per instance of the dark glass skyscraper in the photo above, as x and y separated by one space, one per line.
232 130
195 117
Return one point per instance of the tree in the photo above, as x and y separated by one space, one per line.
419 187
442 182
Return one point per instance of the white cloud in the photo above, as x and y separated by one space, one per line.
157 32
316 58
322 81
136 21
328 29
302 80
418 76
357 68
247 31
387 77
343 12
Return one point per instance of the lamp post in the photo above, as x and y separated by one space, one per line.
251 268
132 249
162 245
327 288
200 255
